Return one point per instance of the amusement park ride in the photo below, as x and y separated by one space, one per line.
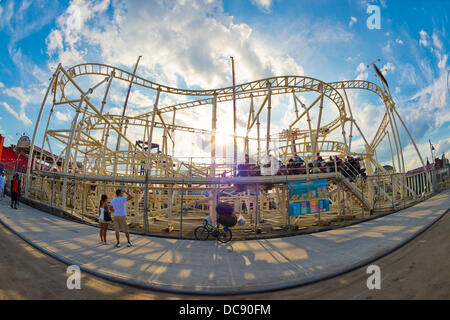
98 155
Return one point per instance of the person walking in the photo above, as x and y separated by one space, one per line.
2 185
120 216
104 217
15 191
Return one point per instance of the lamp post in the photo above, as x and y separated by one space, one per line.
234 119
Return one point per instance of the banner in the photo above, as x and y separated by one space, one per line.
306 197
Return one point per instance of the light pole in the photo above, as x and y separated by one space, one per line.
431 149
234 118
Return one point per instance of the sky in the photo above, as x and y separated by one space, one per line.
187 44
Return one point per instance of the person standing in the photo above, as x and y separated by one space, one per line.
2 185
104 217
15 191
120 216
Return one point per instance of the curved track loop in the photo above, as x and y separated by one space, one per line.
278 85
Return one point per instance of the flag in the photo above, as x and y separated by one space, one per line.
431 146
380 75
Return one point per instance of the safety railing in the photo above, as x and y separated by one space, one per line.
174 206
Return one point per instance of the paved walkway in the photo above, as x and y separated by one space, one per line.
209 267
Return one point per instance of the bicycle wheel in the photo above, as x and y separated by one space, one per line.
224 236
201 233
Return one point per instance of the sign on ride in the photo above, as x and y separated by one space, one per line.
306 197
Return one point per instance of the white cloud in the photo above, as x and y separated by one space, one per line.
353 20
62 116
26 97
424 38
19 116
443 147
387 67
195 51
361 67
263 4
436 42
362 71
54 41
6 15
433 100
412 160
196 48
2 85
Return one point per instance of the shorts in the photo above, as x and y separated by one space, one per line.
120 224
102 219
14 196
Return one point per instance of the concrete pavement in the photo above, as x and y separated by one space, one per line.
209 267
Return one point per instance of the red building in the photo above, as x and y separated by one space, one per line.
10 159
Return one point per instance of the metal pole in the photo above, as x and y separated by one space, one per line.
107 91
362 197
38 120
53 187
287 205
45 136
129 89
257 208
392 188
351 117
181 210
258 138
269 108
351 200
42 187
316 142
146 204
414 144
68 151
150 138
83 199
234 119
390 148
169 214
212 210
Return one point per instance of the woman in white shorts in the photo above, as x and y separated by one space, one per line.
103 223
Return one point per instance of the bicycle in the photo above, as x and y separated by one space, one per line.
222 234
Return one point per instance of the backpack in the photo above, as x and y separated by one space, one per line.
228 220
106 215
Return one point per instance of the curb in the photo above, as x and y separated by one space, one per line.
230 292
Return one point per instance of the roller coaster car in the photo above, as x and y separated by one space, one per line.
251 170
296 167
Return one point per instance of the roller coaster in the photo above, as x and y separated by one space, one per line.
99 152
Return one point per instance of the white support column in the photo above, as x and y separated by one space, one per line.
316 137
68 152
105 145
150 138
258 137
351 122
213 202
107 91
45 135
36 127
390 148
415 146
173 132
269 109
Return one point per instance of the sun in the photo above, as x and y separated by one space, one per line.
224 138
